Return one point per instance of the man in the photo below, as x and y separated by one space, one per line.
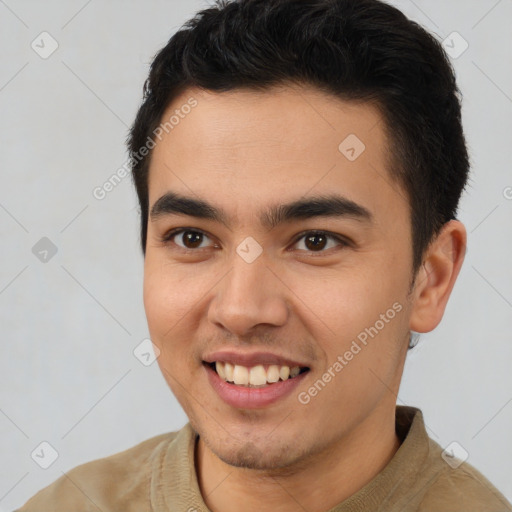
298 166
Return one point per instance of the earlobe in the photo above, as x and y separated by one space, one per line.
436 277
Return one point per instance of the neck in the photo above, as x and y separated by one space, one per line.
327 479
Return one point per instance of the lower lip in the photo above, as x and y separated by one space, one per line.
252 398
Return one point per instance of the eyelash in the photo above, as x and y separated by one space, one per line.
166 239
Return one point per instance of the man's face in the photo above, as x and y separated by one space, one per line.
241 287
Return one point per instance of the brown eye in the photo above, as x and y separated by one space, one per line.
193 238
316 241
190 238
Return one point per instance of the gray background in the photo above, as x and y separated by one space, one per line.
69 325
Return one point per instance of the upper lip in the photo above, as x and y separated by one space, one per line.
251 359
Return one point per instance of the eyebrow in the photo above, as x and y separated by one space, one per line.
333 205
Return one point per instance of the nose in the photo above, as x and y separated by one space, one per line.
250 294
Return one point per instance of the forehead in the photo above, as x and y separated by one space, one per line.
245 148
282 119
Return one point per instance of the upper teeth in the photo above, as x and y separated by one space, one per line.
255 375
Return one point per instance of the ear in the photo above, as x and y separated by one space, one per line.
436 277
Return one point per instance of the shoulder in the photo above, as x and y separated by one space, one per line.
462 489
118 482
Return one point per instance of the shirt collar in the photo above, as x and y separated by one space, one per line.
174 485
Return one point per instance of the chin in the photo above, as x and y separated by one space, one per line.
255 447
249 455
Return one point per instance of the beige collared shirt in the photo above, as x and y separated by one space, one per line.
158 475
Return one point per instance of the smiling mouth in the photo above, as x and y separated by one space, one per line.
257 376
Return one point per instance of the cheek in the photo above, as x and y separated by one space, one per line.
166 315
172 302
167 295
158 299
360 314
342 303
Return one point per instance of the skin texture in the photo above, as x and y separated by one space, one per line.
243 151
